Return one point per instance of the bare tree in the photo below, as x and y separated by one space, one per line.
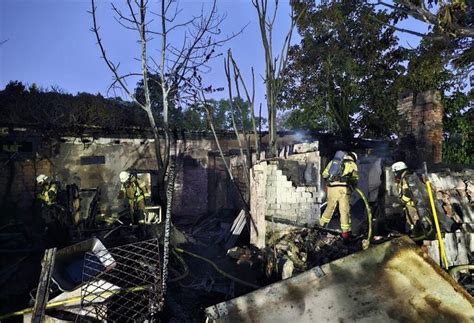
448 17
274 65
177 67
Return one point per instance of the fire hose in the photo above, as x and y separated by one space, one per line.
455 269
220 271
369 215
107 294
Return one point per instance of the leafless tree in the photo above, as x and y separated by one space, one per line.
177 71
274 65
177 67
443 15
236 81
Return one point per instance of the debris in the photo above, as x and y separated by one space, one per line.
137 274
237 226
393 281
285 267
68 271
42 293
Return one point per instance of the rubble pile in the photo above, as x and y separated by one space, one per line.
455 194
294 251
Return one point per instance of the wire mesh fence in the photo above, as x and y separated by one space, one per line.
122 284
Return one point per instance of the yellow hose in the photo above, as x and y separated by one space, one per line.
369 215
89 297
455 269
438 230
220 271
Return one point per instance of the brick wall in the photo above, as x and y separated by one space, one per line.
18 180
421 127
274 197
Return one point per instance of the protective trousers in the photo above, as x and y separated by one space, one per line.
137 209
411 214
338 195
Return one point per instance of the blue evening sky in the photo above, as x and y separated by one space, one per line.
50 43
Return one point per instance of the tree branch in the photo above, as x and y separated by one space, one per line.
110 65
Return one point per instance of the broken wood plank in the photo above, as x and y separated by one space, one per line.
236 229
42 292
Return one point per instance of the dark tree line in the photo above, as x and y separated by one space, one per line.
54 109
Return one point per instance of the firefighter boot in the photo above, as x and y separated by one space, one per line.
346 236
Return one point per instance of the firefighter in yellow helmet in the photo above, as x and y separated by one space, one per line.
400 170
341 175
136 192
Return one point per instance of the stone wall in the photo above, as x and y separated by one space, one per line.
421 127
276 198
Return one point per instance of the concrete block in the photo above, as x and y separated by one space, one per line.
287 183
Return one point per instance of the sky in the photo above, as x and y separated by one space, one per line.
49 43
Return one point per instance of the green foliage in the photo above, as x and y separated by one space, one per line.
341 78
427 68
175 113
458 147
222 117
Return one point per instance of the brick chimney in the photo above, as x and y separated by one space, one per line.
421 127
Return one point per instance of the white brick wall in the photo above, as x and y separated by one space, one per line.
272 194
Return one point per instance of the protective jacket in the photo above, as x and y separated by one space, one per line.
339 194
404 192
48 193
136 193
349 176
134 190
405 195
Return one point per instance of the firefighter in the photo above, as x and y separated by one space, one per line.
400 170
136 192
341 175
49 190
51 211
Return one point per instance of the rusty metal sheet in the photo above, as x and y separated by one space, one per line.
391 282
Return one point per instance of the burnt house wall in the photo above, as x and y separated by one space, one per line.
95 161
202 184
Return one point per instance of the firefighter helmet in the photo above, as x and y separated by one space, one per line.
399 166
352 155
41 179
124 176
